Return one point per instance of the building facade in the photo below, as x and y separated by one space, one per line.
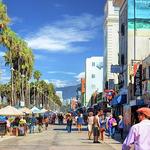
111 42
60 95
134 47
93 77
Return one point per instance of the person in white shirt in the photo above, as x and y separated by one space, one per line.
90 124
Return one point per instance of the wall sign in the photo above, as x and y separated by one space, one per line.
138 81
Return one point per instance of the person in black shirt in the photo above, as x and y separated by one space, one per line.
69 124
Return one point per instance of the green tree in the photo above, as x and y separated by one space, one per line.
18 55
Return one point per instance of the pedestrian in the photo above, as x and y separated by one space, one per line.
40 123
61 119
107 120
139 133
121 126
112 123
69 123
96 130
33 122
46 121
8 129
79 122
102 127
90 121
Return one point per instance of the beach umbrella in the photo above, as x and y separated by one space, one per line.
25 110
10 111
35 110
43 110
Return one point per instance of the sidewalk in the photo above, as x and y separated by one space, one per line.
114 143
6 137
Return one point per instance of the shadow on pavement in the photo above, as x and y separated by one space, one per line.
64 129
117 138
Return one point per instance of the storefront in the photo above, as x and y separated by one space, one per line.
117 104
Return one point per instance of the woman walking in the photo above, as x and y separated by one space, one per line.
102 127
112 123
121 126
90 121
79 122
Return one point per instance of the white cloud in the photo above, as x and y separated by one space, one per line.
57 83
61 72
2 54
62 35
79 76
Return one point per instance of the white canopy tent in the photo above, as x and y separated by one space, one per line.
10 111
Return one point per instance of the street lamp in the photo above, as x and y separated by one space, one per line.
22 101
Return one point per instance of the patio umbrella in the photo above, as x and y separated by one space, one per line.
43 110
35 110
25 110
10 111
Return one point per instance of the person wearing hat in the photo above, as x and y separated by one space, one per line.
139 133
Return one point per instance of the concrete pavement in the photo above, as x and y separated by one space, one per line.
56 138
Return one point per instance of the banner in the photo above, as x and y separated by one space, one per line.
138 81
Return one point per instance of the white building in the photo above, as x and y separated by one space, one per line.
111 41
94 76
60 95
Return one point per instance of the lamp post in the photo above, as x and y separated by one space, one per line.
22 104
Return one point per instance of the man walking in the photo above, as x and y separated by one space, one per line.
139 133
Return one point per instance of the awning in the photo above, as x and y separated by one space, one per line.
119 99
114 101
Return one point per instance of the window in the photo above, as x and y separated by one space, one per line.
93 75
93 64
122 29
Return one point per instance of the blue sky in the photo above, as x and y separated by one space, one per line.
61 33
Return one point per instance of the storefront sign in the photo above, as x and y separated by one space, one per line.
138 81
116 69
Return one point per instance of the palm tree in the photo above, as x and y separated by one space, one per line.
37 74
18 56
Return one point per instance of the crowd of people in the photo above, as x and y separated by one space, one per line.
97 124
27 124
100 124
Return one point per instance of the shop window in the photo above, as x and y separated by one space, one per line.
93 64
93 75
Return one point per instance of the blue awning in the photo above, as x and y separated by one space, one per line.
119 99
114 101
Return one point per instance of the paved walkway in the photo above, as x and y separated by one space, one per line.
56 138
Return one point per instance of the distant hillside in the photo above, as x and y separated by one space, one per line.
69 91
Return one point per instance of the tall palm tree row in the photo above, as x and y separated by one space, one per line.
18 56
20 59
